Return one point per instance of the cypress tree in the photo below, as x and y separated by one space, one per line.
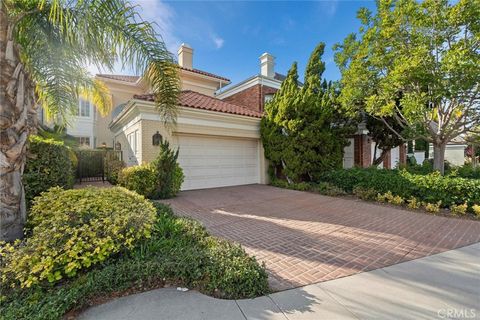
304 131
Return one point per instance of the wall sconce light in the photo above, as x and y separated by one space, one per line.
156 139
118 146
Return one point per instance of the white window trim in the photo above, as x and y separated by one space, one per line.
90 109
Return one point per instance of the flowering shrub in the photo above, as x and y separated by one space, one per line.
72 230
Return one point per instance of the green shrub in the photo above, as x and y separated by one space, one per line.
72 230
328 189
427 188
468 171
301 186
142 179
365 193
179 251
324 188
178 178
49 164
168 178
113 166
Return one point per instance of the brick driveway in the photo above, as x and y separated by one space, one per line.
306 238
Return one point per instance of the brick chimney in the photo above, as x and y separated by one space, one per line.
267 64
185 56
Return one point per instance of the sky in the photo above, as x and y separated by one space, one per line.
228 37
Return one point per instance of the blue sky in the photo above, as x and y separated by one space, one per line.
229 36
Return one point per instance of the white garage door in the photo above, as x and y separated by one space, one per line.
210 161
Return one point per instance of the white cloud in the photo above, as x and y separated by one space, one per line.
217 41
163 16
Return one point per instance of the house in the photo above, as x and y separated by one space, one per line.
82 124
454 152
217 130
219 141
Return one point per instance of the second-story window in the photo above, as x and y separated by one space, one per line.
267 98
84 108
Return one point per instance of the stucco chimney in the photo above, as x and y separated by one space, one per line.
185 56
267 64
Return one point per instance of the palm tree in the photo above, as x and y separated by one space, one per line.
45 46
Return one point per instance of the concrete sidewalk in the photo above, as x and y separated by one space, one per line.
441 286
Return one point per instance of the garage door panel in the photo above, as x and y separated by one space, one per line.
210 161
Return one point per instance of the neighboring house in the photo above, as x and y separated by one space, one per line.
81 125
454 152
255 91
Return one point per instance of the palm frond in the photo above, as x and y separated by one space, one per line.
61 37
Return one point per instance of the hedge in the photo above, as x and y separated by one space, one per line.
429 188
49 164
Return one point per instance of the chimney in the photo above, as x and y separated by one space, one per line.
185 56
267 64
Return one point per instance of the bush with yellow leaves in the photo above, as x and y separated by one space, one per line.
460 209
476 210
74 229
433 207
414 203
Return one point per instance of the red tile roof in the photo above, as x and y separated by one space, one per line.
197 100
134 79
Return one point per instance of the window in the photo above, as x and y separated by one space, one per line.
84 108
84 141
133 141
267 98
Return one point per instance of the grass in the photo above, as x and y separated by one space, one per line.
180 252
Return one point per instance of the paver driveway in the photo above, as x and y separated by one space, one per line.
306 238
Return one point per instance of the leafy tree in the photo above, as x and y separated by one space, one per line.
46 46
303 131
418 63
385 139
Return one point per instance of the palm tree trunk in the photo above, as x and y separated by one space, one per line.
17 118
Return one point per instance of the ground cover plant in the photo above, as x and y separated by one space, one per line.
176 251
